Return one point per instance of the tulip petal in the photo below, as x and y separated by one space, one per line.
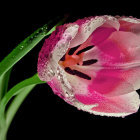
61 86
101 34
97 103
118 106
120 64
88 25
130 25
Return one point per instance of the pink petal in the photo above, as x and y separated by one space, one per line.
130 25
111 22
101 34
118 106
61 87
119 59
94 102
110 82
88 25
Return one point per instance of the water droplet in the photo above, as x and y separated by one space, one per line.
13 56
89 28
21 47
117 16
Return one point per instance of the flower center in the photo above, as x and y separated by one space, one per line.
74 56
71 59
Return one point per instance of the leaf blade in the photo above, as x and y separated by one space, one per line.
34 80
16 103
22 49
28 44
4 80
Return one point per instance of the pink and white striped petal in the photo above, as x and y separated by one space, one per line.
98 104
130 24
88 25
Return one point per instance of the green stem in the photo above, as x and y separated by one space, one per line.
12 109
14 106
2 125
18 88
3 133
20 91
4 80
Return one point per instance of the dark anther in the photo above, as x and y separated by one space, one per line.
77 73
63 58
72 50
70 71
89 62
84 50
82 75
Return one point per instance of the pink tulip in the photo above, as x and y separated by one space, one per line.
94 64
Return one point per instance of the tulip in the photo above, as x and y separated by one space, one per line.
94 64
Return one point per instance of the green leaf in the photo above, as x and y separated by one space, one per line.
4 80
7 118
14 106
26 45
22 49
18 88
20 91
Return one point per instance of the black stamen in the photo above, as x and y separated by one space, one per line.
77 73
63 58
72 50
85 49
82 75
89 62
70 71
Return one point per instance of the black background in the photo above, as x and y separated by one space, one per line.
43 115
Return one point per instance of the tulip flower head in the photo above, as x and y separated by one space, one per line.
94 64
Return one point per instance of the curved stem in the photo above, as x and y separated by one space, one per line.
18 88
4 80
20 91
14 106
2 125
